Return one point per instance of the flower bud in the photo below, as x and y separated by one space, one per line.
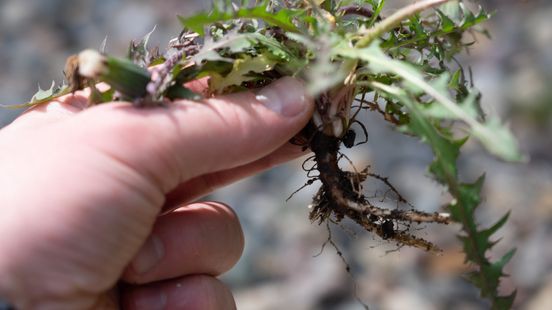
121 74
92 64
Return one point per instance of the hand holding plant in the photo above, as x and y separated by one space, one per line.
82 191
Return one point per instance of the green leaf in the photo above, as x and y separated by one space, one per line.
467 197
241 72
138 51
499 265
181 92
447 25
452 10
493 229
377 8
438 111
471 19
42 96
496 138
233 41
98 97
446 151
504 302
282 18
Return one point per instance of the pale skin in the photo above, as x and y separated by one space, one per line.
83 190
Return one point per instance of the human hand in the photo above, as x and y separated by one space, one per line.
82 191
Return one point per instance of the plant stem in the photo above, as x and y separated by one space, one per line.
395 19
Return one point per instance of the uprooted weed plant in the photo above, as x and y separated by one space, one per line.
353 59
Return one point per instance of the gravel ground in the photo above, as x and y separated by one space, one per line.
279 269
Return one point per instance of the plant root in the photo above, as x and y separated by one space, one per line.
341 196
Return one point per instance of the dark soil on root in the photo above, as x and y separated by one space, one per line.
341 196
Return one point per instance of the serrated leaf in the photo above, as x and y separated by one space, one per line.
499 265
496 138
438 111
233 41
470 195
471 19
42 96
447 25
446 151
493 229
240 72
138 51
282 18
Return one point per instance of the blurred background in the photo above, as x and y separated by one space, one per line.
280 268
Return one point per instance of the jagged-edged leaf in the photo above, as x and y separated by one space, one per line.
138 51
468 198
282 18
496 138
233 41
487 279
500 264
42 96
493 229
469 106
471 19
489 276
446 151
274 47
504 302
447 25
241 71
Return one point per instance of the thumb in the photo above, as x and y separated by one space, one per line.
188 139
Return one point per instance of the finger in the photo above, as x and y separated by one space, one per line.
70 104
191 292
56 110
51 112
200 186
187 139
204 238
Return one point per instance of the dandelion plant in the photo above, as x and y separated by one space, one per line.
354 59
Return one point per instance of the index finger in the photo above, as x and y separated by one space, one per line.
187 139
